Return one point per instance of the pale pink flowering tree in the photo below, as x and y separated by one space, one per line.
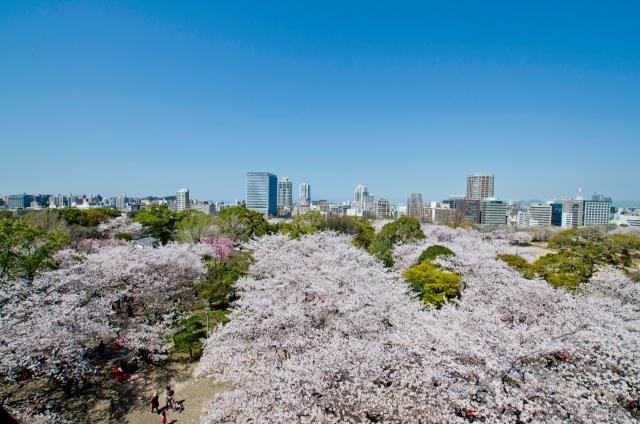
48 326
222 246
324 333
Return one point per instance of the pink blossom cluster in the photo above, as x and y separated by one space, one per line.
221 246
324 333
48 326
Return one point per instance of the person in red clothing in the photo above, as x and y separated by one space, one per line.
163 418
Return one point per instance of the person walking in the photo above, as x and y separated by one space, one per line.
170 393
163 418
155 403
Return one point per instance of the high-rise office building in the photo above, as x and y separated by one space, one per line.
572 211
480 186
361 200
304 195
539 214
19 201
596 212
285 197
493 211
556 214
262 192
383 209
415 207
182 200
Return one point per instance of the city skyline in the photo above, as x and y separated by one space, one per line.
403 99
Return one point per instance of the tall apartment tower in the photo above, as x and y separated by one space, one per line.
361 198
262 193
415 207
479 186
285 196
182 199
304 195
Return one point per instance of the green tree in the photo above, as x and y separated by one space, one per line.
25 249
240 223
360 228
434 286
433 252
158 221
402 230
195 225
189 336
218 287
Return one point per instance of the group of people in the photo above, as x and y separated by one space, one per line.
170 404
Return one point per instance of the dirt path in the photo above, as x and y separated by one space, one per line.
196 393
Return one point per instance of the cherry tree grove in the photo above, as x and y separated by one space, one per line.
49 325
322 332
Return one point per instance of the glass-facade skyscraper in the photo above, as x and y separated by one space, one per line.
262 193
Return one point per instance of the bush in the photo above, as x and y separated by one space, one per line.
240 223
518 263
87 217
435 251
402 230
434 286
559 270
158 221
124 236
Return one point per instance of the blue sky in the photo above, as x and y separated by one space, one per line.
147 97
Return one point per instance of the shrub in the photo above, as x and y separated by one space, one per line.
124 236
434 286
402 230
433 252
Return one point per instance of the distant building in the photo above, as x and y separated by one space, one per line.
262 193
383 209
415 207
208 208
182 200
121 202
304 195
626 220
324 206
572 213
539 214
19 201
556 214
493 211
362 201
596 212
600 198
522 218
285 197
480 186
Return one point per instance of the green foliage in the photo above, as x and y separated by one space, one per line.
580 251
562 270
307 223
361 229
218 286
124 236
26 249
240 223
87 217
402 230
188 338
518 263
47 220
435 251
434 286
158 221
195 225
4 214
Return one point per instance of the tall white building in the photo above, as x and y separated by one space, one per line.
285 196
480 186
304 195
539 214
182 199
596 212
361 200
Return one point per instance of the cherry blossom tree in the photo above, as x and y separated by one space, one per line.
48 326
323 333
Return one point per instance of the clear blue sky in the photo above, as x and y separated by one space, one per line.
147 97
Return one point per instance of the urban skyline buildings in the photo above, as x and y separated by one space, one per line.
304 195
480 186
285 196
182 199
262 193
